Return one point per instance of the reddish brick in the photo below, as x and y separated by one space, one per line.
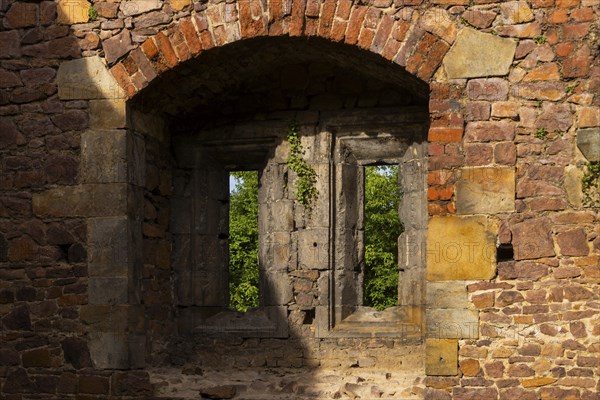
343 9
326 19
338 30
440 192
355 24
297 19
191 37
445 134
123 79
564 49
383 34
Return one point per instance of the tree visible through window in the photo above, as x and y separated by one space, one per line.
243 240
382 228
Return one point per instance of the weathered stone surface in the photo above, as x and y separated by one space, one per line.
107 114
9 44
487 89
83 200
87 78
108 290
475 54
73 11
461 248
439 22
485 190
441 357
104 156
573 243
22 15
447 295
452 323
588 142
108 246
136 7
218 392
76 352
516 12
109 350
117 46
555 118
533 239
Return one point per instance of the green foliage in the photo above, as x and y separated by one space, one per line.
307 178
541 133
571 88
540 39
243 241
92 13
382 228
590 183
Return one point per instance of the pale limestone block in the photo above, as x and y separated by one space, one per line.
476 54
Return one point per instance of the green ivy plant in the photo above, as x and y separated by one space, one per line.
540 39
541 133
306 190
590 184
92 13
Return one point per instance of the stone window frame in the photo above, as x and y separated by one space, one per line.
343 315
269 320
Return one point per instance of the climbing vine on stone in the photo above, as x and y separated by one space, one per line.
590 183
306 190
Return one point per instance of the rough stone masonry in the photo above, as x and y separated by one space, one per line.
120 119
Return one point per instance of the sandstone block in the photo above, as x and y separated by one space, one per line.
84 200
103 156
447 295
136 7
108 290
485 190
109 350
22 15
475 54
532 239
73 11
588 142
87 78
117 46
461 248
107 114
487 89
452 323
516 12
441 357
573 243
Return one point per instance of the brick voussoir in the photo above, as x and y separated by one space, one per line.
190 35
165 49
123 79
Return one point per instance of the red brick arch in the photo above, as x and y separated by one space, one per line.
405 38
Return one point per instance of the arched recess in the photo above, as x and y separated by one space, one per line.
160 79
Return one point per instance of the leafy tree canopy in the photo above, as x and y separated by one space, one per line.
382 228
243 240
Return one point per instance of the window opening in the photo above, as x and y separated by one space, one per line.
243 240
382 198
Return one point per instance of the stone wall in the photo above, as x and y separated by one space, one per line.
87 113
